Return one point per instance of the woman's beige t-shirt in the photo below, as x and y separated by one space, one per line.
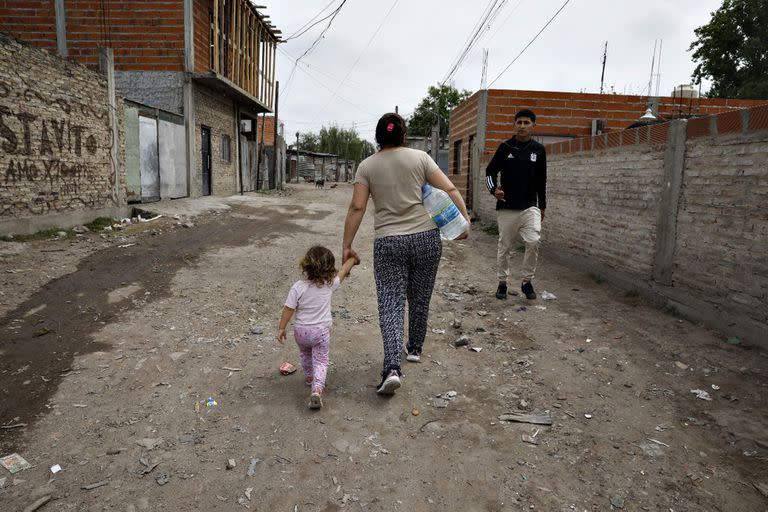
394 178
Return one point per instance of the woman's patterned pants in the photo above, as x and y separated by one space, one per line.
405 267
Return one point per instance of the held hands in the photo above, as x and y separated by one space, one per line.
280 336
347 253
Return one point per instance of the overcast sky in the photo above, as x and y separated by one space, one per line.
419 40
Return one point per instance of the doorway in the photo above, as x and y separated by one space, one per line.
206 143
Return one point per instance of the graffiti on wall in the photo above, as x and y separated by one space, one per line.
54 153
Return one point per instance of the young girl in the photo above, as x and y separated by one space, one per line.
310 298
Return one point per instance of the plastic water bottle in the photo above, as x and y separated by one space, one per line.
442 210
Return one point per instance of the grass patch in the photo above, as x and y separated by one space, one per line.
632 293
100 223
491 229
45 234
596 278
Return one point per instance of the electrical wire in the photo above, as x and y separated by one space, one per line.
322 34
530 42
308 25
485 21
362 52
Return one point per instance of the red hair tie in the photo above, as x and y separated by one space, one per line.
390 127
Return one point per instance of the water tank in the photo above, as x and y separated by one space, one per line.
685 91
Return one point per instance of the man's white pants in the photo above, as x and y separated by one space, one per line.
527 224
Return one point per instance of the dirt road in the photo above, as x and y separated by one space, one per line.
111 347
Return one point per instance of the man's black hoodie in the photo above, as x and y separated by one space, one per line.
523 169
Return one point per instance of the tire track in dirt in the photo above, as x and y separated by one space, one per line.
45 332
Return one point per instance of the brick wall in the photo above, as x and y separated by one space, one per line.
215 111
607 212
55 136
560 115
463 123
202 35
146 35
33 21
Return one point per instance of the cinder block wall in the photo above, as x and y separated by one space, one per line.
215 111
682 218
55 138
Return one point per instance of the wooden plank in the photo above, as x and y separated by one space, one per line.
257 50
215 36
230 36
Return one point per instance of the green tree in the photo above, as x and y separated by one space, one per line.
732 50
337 141
440 99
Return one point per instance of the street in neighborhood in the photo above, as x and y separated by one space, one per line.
139 371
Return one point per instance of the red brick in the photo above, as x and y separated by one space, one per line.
698 127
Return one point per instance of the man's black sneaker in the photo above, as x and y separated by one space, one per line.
527 289
501 291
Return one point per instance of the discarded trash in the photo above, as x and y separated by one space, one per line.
149 443
680 365
451 394
617 502
14 463
94 486
231 463
415 412
715 387
536 419
287 368
521 309
148 466
733 340
652 450
656 441
162 479
548 296
248 492
476 349
439 402
451 296
252 467
482 313
438 331
589 340
588 416
700 393
211 402
529 439
257 329
456 324
55 468
462 341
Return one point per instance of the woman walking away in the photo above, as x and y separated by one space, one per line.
407 246
310 299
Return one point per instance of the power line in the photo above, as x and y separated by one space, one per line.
354 64
308 25
314 43
491 11
530 42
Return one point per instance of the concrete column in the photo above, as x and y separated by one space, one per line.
193 183
666 227
107 66
61 28
189 36
478 185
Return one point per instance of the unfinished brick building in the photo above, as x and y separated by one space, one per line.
486 119
210 61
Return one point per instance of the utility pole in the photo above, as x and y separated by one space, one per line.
602 76
273 167
436 136
396 109
484 75
297 157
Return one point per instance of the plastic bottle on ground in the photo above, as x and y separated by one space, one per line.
446 215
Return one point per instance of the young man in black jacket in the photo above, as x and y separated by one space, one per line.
521 198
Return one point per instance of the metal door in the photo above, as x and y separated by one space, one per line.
206 161
148 161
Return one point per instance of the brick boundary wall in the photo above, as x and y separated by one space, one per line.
57 168
677 211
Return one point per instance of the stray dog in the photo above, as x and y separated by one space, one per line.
320 183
